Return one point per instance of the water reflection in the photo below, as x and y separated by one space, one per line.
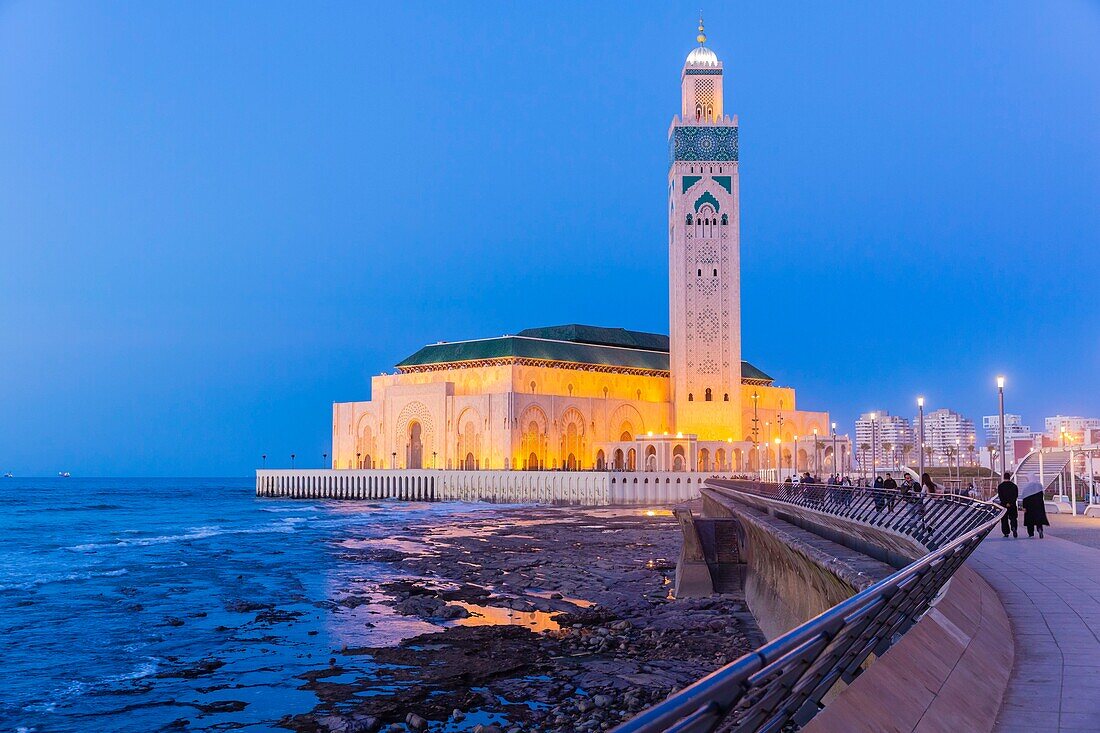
494 616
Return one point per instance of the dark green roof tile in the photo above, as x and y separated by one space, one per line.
574 343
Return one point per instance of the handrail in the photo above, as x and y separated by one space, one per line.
785 680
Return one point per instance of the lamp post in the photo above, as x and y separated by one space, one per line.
874 445
817 457
1001 397
778 458
393 463
292 461
263 461
433 459
358 460
755 420
920 462
794 455
958 458
324 460
836 467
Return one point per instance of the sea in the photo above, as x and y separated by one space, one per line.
187 604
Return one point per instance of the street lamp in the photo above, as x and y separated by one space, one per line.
324 460
794 455
358 460
1001 396
292 460
263 460
393 463
874 445
755 421
920 407
433 459
778 458
816 456
836 467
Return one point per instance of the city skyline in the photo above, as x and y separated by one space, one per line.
209 258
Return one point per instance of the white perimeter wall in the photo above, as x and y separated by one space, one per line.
589 488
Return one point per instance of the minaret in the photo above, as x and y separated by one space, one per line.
704 255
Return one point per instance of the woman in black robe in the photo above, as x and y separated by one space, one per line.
1035 511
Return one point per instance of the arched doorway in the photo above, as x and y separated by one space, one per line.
625 435
366 462
720 460
571 462
754 459
803 460
470 463
650 458
678 462
415 458
601 464
631 460
704 459
618 459
532 462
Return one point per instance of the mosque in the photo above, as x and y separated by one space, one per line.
580 398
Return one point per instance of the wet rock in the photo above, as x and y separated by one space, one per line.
240 605
415 722
173 621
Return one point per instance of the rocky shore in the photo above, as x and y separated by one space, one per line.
549 619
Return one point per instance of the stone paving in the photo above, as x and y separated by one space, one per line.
1050 589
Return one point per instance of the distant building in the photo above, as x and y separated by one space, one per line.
947 432
1015 431
1078 429
896 444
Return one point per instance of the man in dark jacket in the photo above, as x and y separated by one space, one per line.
891 486
1008 494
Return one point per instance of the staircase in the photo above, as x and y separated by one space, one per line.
1052 465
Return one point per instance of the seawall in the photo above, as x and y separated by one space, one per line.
793 573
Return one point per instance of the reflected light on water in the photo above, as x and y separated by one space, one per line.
493 616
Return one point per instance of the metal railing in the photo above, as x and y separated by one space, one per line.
784 681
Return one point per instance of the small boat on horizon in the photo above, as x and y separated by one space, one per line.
63 474
9 474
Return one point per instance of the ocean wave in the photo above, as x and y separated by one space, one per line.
47 579
280 509
285 525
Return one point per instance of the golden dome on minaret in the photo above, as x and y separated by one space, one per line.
702 37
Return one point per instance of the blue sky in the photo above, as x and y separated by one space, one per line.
220 218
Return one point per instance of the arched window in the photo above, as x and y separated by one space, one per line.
689 219
726 397
708 395
691 397
725 219
716 272
699 272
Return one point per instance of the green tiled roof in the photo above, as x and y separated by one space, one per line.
573 343
600 336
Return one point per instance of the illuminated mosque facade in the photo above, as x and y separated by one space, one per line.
575 397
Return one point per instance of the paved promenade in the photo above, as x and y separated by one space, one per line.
1051 591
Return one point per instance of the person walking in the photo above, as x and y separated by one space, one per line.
890 486
876 492
1008 494
1035 510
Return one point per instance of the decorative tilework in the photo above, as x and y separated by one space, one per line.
706 198
706 72
702 143
725 182
690 181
